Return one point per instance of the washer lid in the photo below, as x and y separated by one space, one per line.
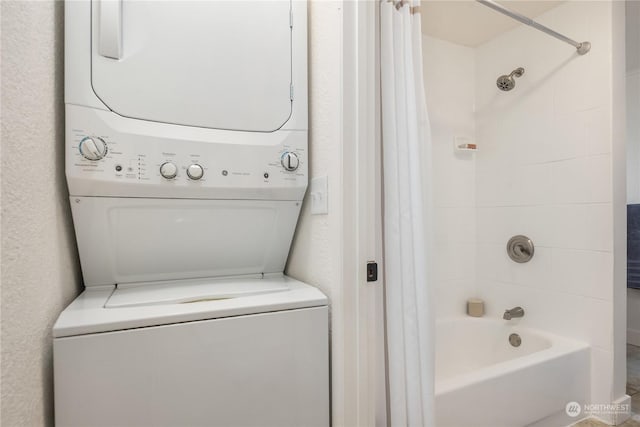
191 291
213 64
89 313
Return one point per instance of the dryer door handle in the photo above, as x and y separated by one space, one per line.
110 28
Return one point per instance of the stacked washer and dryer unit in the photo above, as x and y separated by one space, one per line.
186 161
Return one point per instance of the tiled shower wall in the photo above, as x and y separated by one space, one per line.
543 169
449 87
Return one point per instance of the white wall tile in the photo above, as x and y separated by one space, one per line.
455 179
514 185
493 263
586 273
451 297
578 272
582 180
454 261
580 133
599 130
449 86
584 80
577 90
582 227
450 99
455 225
570 135
495 186
601 384
538 138
535 184
499 224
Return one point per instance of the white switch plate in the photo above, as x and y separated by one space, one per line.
318 196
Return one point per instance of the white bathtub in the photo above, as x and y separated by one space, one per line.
483 381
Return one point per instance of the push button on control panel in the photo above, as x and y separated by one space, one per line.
168 170
195 171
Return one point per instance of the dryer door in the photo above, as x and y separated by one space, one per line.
213 64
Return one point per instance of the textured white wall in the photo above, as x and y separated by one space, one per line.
40 272
316 253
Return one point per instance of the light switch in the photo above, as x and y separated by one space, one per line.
318 196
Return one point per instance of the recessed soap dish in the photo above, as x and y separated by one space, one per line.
462 143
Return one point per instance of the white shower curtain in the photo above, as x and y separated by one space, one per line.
406 153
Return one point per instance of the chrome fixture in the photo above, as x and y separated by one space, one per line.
520 249
515 340
581 48
513 313
507 83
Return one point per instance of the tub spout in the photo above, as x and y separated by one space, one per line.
514 312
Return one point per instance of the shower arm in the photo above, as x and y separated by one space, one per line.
581 48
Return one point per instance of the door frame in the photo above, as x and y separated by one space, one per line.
362 399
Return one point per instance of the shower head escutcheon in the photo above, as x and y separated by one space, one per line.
508 82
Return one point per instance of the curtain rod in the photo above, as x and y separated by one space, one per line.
400 3
582 48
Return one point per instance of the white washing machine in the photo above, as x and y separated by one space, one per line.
186 161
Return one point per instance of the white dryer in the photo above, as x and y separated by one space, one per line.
186 161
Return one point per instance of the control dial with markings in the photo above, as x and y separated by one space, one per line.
195 172
168 170
93 148
290 161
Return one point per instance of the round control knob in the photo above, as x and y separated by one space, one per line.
168 170
195 171
290 161
93 148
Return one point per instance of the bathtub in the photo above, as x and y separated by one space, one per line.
483 381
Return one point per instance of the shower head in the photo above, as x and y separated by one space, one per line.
506 83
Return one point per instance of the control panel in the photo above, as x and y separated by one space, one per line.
104 162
